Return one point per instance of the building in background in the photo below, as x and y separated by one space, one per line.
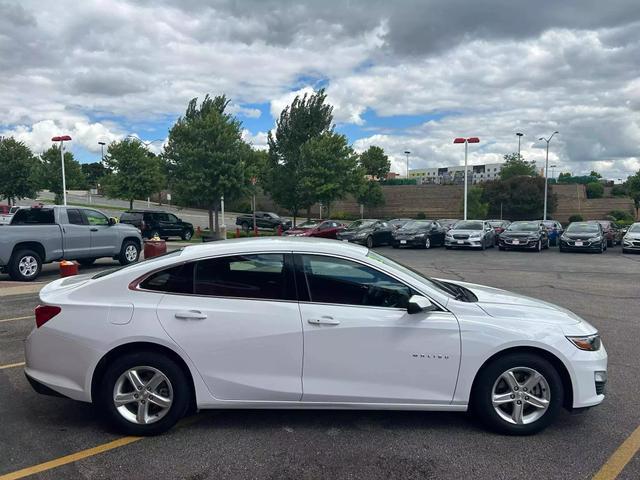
455 175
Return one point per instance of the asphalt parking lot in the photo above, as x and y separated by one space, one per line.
604 289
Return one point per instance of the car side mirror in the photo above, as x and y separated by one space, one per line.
112 221
418 303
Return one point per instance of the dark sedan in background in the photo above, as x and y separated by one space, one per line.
369 232
322 229
583 236
526 235
419 233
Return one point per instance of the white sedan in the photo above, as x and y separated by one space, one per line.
305 323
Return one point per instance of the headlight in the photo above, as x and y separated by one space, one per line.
532 239
449 235
590 343
474 235
595 239
565 238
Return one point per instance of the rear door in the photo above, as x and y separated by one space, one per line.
76 234
105 241
241 325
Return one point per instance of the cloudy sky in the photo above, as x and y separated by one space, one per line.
404 75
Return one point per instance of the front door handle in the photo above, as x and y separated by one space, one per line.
323 321
190 315
94 229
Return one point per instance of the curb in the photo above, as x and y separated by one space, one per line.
21 289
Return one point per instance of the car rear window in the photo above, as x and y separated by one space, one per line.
34 216
129 216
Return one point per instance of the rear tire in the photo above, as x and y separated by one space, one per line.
142 415
25 266
187 235
427 242
501 248
495 382
369 241
129 253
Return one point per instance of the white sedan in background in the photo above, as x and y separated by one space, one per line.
223 325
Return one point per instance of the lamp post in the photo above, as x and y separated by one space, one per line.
407 152
62 139
520 135
466 142
102 144
553 171
546 172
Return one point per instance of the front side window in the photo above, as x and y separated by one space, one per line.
95 218
172 218
340 281
262 276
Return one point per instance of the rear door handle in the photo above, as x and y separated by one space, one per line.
190 315
94 229
323 321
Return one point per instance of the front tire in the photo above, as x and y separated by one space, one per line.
129 253
518 394
144 393
186 235
25 266
539 246
427 242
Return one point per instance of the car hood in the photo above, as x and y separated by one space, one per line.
522 234
356 231
632 236
504 304
412 231
464 232
581 236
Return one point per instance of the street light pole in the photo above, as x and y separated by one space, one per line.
519 137
102 144
466 142
546 172
407 152
62 139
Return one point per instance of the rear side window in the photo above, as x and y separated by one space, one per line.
262 276
75 217
178 279
130 217
33 216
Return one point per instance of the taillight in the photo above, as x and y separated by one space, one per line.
44 313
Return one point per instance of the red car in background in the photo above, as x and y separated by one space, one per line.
611 232
324 229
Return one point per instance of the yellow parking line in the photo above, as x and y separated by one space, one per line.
619 459
15 318
12 365
74 457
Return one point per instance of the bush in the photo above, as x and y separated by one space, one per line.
421 216
621 215
618 191
576 218
344 216
595 190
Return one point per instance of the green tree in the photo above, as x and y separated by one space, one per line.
375 163
93 173
576 217
329 169
206 155
17 170
595 174
564 177
594 190
632 185
50 172
518 198
304 119
370 194
515 165
134 172
476 208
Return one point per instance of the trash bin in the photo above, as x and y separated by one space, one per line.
153 248
68 269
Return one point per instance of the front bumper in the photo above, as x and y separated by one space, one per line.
631 245
409 242
468 242
522 244
586 368
585 247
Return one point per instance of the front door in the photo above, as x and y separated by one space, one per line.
240 325
361 345
77 237
105 241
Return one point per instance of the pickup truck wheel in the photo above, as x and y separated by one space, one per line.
86 262
186 235
25 266
129 253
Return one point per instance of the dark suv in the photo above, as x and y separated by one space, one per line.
152 223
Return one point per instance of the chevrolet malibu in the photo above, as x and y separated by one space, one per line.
231 325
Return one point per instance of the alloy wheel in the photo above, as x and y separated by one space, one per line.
131 253
427 242
28 266
521 395
143 395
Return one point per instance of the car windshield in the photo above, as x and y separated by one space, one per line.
104 273
635 228
413 224
362 223
496 223
583 228
523 227
549 223
468 225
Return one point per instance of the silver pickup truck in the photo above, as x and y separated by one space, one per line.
46 234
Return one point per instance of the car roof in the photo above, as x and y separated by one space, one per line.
273 244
